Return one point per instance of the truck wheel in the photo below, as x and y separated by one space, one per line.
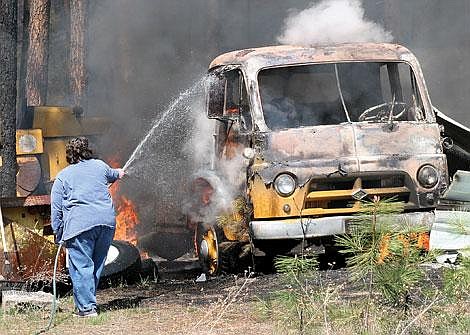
168 245
123 264
217 254
229 256
207 248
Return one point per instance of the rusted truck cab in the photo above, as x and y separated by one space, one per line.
321 129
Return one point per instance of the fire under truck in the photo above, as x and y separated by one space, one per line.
313 131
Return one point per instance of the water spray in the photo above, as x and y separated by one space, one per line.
157 124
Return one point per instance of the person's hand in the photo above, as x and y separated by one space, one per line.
121 173
58 235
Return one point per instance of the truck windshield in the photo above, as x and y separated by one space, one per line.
323 94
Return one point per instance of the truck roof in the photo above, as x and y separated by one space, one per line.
289 54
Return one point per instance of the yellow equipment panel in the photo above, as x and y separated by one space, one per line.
29 142
56 121
53 160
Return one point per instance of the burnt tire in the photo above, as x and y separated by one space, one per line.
209 255
123 264
166 244
230 255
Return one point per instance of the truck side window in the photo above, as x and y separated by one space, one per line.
228 98
232 93
245 113
398 82
236 99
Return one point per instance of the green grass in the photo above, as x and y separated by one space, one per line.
101 319
346 317
435 307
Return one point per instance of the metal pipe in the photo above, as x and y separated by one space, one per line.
341 94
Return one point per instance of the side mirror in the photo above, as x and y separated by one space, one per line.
215 102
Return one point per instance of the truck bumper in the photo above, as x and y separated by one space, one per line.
325 226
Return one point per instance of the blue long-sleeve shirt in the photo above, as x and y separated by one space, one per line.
80 198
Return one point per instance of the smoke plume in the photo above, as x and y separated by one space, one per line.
331 21
225 176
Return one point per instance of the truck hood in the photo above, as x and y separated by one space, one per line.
345 148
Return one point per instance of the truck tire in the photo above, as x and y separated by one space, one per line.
218 255
207 239
123 264
168 245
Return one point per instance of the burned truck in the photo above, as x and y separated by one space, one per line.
315 130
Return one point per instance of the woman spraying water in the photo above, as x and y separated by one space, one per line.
83 218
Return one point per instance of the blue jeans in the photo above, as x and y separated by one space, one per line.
87 255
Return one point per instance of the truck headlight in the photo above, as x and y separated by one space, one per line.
428 176
284 184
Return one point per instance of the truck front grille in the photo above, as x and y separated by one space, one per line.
335 195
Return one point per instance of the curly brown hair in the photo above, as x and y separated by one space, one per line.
77 150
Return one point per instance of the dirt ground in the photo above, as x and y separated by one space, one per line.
224 305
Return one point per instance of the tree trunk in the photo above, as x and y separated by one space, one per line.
36 73
78 75
8 26
22 54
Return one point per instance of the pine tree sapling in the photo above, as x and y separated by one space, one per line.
386 250
300 267
298 299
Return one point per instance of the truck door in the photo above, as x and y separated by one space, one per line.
228 103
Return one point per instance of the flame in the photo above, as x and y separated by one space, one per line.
126 217
126 221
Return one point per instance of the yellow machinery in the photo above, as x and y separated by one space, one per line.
40 156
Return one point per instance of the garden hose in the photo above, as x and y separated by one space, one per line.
54 296
6 264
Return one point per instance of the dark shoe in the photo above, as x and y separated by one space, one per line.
86 314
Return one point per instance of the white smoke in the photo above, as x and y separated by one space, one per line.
331 22
225 176
200 146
